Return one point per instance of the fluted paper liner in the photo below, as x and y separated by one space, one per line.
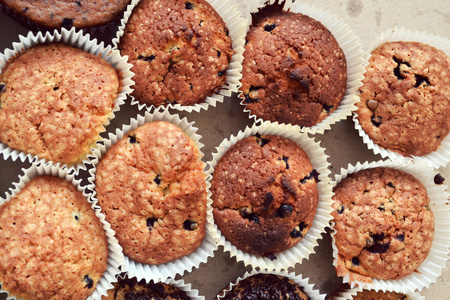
354 54
348 294
206 249
115 255
432 266
302 250
82 41
179 283
441 156
308 288
236 26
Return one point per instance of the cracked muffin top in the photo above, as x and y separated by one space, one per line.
405 102
264 194
68 13
130 288
180 51
152 188
267 287
52 245
55 101
384 224
294 70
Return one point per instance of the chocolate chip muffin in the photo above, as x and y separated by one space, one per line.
180 51
152 188
383 222
63 13
264 194
294 71
52 245
55 100
266 286
130 288
405 100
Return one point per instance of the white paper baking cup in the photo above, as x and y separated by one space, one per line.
354 54
179 283
79 40
441 156
308 288
237 28
115 256
206 249
432 266
302 250
348 294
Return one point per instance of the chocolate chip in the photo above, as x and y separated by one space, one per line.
268 198
376 121
147 58
151 222
157 179
2 88
250 100
25 10
378 248
438 179
313 174
327 108
381 207
340 209
355 261
89 282
75 215
421 79
67 23
261 141
191 86
132 139
285 210
372 104
295 233
55 88
397 71
270 27
190 225
221 73
218 53
285 158
248 214
391 185
189 5
78 2
227 31
400 237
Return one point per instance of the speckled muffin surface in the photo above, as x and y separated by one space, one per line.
405 100
152 188
264 194
52 245
294 71
130 288
384 225
55 100
180 51
266 287
68 13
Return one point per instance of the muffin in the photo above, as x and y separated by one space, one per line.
380 295
180 51
51 242
55 100
383 222
294 70
152 188
404 102
78 13
130 288
264 194
265 286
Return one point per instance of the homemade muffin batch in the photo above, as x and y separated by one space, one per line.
152 210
